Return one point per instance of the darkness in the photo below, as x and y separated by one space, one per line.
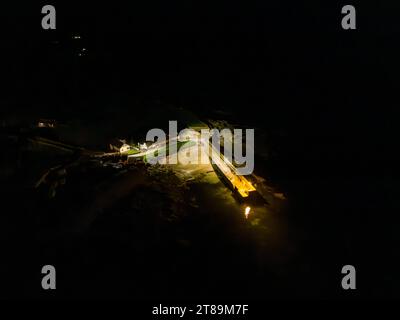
328 98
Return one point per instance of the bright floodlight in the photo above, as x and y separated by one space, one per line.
247 212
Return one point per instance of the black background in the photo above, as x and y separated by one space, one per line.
283 65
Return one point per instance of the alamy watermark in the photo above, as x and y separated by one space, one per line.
349 280
49 280
348 21
223 147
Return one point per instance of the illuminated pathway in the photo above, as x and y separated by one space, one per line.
238 182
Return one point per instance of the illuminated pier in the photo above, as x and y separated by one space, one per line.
239 183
